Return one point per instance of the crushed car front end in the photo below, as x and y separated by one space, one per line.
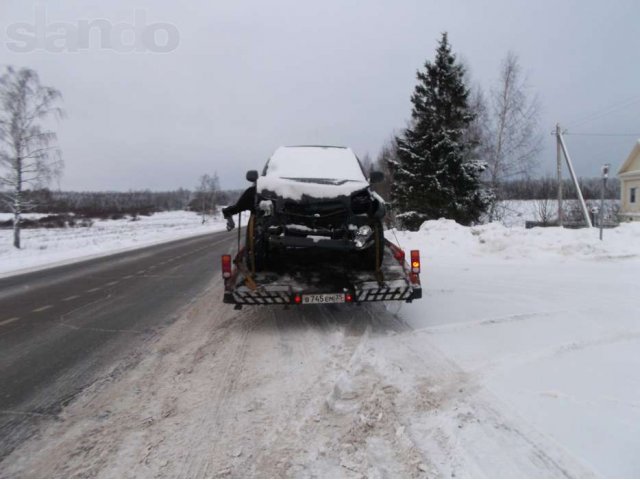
343 222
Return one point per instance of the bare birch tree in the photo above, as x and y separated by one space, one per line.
28 158
206 193
512 137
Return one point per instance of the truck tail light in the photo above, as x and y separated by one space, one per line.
226 266
415 261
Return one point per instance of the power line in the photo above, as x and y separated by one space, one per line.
605 111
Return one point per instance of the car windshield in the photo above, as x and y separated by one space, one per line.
315 163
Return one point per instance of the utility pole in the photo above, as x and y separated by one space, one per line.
583 205
559 171
605 175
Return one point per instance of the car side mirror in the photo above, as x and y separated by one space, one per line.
252 175
376 177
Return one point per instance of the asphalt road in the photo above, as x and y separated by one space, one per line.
63 328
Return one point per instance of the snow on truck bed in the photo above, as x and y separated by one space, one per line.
290 170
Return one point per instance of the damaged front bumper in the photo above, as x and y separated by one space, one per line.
351 239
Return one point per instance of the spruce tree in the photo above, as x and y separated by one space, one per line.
435 175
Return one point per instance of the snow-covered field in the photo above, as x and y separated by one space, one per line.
50 246
514 213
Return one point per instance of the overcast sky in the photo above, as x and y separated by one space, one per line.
247 77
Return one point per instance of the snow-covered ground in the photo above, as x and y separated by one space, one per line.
51 246
521 360
514 213
547 321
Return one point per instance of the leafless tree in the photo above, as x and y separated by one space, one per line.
386 157
512 137
206 194
28 157
545 210
367 164
476 135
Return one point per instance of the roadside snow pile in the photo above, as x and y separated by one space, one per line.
47 246
546 321
446 238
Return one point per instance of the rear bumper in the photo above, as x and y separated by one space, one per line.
284 295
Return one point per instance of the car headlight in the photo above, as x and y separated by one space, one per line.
362 235
266 207
364 231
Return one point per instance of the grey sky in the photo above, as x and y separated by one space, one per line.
248 77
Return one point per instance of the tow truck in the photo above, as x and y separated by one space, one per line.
300 282
316 236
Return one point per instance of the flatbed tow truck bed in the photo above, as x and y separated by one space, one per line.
302 282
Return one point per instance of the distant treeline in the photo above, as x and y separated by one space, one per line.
547 187
106 204
145 202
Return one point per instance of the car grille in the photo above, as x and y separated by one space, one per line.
319 215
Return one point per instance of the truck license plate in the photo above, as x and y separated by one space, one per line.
324 298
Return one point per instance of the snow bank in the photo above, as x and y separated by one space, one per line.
47 246
446 238
547 321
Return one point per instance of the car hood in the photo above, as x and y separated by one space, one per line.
297 189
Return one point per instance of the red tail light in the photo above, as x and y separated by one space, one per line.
348 297
415 261
399 255
226 266
297 299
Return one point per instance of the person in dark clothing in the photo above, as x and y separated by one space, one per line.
247 201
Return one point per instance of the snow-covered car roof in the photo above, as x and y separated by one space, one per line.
311 161
311 170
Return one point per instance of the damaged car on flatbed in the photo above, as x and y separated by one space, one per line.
316 235
319 198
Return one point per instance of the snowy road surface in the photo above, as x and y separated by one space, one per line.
62 328
520 360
